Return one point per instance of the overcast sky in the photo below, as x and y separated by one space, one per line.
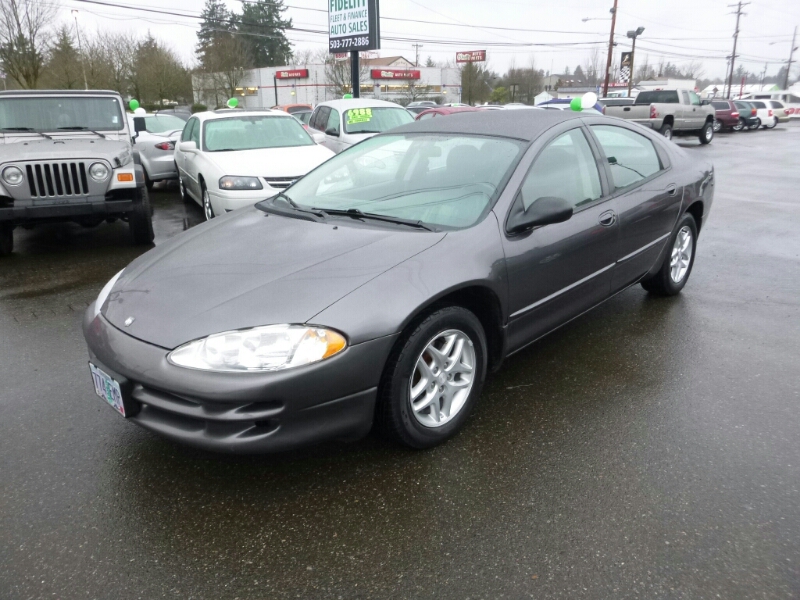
675 30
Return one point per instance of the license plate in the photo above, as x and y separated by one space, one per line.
107 388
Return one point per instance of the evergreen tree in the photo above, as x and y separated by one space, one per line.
63 68
264 31
216 25
578 74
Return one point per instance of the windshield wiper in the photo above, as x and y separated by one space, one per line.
291 210
364 131
80 128
354 213
44 135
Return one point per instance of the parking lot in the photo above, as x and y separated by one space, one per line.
649 449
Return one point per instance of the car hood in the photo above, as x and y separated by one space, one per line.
271 162
62 148
248 269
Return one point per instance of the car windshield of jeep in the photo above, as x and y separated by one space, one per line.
54 113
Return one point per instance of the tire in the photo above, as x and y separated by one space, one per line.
774 123
739 126
666 131
6 239
717 126
427 426
755 125
663 283
706 133
140 219
208 210
182 188
149 183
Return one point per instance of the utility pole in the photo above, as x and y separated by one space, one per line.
633 35
738 13
789 65
416 47
80 49
610 48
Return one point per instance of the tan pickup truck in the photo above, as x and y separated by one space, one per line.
670 112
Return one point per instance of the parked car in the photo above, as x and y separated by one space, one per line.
347 122
382 287
768 114
781 112
156 145
443 111
670 112
789 98
614 102
66 155
726 116
182 113
304 116
748 115
228 159
415 110
564 104
293 108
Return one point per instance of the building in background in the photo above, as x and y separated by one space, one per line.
390 78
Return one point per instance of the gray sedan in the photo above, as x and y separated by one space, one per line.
156 146
382 288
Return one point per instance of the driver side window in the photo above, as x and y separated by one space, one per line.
566 169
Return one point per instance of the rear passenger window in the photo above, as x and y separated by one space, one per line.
631 156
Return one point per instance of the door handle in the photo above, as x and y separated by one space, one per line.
672 189
608 218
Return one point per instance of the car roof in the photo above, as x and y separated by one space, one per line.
344 104
237 112
58 93
524 125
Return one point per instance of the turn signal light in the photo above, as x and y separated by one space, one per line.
124 176
166 146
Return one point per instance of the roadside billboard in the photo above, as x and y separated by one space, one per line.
471 56
292 74
395 74
353 25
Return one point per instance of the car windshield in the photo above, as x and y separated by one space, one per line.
375 119
163 123
253 133
660 96
51 113
441 180
304 116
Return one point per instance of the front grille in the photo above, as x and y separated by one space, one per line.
281 182
48 180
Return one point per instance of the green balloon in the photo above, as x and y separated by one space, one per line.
233 103
347 97
133 104
576 104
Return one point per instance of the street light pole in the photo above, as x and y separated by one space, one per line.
789 65
610 48
80 49
633 35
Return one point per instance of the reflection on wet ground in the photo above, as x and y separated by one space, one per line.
648 449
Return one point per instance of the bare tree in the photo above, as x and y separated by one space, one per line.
226 61
592 66
338 76
24 37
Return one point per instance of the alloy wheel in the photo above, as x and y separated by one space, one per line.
709 133
717 126
207 208
681 254
442 378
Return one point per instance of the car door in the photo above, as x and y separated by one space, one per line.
648 199
180 157
684 117
557 271
319 122
697 114
191 162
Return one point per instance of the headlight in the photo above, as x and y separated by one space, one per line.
12 175
230 182
123 159
98 172
270 348
101 298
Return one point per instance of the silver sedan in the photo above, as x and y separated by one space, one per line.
156 146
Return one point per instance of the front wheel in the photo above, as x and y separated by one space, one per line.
6 239
756 125
208 210
432 379
666 131
678 263
706 133
140 219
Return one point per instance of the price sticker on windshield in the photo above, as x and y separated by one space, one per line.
359 115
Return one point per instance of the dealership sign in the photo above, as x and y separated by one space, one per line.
353 25
471 56
292 74
395 74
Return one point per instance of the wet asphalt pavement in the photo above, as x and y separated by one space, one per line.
650 449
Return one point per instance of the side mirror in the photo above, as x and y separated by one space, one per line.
544 211
139 124
318 137
332 131
187 147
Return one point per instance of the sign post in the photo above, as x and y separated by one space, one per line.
469 57
353 26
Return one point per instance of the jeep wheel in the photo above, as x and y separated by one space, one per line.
140 219
6 238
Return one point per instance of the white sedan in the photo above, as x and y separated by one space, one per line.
231 158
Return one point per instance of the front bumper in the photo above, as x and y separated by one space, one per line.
224 201
32 212
247 413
